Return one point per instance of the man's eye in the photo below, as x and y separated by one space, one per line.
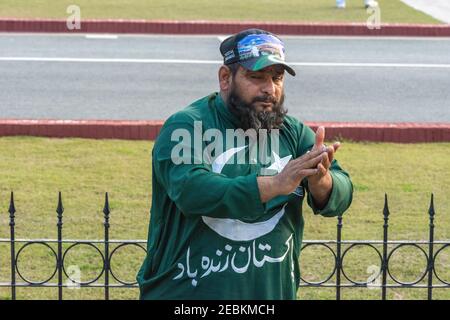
279 78
255 76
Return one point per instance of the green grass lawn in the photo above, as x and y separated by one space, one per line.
260 10
37 168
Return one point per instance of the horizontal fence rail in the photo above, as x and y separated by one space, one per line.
382 277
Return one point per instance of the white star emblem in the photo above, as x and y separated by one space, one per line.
279 164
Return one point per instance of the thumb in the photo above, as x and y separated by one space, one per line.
320 137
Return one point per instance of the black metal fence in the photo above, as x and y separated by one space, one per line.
102 247
338 279
388 248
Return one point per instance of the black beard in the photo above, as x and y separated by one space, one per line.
250 118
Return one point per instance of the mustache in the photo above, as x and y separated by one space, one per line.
266 99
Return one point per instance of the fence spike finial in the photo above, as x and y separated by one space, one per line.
386 206
12 208
431 211
60 208
59 211
106 209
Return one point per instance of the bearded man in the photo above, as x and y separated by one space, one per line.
226 216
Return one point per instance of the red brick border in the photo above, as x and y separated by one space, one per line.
93 129
406 132
149 130
222 27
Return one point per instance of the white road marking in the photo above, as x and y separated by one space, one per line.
101 36
370 65
107 60
187 61
374 38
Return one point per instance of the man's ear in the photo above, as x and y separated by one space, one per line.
225 78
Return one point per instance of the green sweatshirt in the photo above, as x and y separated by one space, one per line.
210 236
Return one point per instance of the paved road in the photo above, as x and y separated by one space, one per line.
438 9
149 77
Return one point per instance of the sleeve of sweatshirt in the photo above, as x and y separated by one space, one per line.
342 191
193 186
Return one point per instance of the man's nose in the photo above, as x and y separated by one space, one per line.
268 87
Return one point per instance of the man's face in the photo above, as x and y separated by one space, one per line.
257 97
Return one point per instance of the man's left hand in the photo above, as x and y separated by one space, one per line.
325 164
321 184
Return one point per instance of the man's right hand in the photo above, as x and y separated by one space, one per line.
298 169
291 176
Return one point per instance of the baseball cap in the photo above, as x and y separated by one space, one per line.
254 49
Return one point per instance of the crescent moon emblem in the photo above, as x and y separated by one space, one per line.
234 229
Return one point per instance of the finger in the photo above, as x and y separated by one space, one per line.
335 147
326 159
321 170
311 154
330 154
320 137
308 172
312 163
